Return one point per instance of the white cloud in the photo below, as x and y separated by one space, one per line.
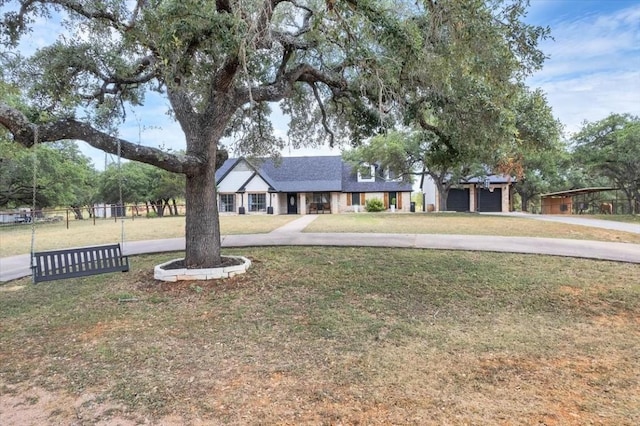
594 65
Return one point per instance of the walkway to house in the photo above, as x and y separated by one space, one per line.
297 225
290 235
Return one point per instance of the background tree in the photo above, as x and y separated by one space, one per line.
610 148
536 156
64 177
131 181
459 95
141 183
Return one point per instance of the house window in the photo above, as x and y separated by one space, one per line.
390 175
355 198
227 202
257 202
366 173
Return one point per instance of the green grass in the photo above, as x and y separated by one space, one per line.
335 335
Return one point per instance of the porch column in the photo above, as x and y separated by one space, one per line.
472 196
335 199
303 203
506 202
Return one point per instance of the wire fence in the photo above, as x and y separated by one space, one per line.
96 214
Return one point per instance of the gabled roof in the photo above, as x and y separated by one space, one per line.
311 174
231 163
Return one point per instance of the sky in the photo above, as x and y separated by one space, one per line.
592 70
594 58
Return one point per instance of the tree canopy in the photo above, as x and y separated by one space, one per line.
64 176
610 148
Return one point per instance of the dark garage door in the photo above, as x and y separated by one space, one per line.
458 200
490 201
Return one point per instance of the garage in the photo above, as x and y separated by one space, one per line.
490 201
458 200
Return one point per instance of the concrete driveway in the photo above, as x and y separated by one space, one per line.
577 220
290 235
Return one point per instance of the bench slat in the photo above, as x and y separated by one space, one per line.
78 262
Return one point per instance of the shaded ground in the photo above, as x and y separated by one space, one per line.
330 336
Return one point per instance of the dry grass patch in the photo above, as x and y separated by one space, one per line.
331 336
465 224
17 239
618 217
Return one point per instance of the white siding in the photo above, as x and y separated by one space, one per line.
430 190
257 184
233 181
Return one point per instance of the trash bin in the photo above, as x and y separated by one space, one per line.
240 210
412 207
269 210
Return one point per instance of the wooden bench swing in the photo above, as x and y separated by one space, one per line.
75 262
78 262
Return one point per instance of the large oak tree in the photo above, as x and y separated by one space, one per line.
336 67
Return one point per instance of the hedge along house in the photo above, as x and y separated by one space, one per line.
304 185
492 193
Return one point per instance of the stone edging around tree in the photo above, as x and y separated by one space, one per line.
162 273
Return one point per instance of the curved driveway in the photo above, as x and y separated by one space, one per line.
289 235
577 220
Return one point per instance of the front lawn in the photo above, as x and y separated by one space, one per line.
329 336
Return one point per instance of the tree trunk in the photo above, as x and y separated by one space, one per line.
525 202
159 207
167 206
443 192
202 233
77 212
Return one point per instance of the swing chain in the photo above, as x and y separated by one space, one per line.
34 190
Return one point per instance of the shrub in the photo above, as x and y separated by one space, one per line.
152 214
374 205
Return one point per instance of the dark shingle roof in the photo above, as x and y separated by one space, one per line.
297 174
350 183
312 174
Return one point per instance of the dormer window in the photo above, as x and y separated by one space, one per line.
390 176
366 173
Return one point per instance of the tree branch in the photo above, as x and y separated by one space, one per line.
91 13
325 123
23 132
284 83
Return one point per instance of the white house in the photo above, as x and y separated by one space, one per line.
304 185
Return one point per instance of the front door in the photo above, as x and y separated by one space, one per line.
392 199
292 203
